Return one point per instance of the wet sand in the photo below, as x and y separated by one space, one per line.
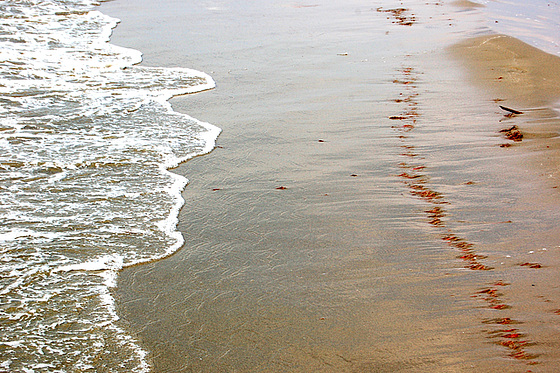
527 79
360 213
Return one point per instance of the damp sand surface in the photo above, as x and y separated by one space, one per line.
362 211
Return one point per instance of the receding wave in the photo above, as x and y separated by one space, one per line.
86 138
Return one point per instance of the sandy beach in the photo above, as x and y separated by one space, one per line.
369 206
526 78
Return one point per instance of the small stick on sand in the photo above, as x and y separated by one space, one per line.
513 111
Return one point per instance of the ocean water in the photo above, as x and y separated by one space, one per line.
87 140
535 22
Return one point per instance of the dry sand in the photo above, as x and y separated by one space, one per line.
520 73
524 78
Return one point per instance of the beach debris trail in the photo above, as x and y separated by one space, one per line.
413 174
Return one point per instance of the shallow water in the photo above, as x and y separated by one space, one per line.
536 23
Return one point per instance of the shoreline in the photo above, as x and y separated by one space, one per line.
282 241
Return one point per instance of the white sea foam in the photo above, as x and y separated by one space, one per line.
87 140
